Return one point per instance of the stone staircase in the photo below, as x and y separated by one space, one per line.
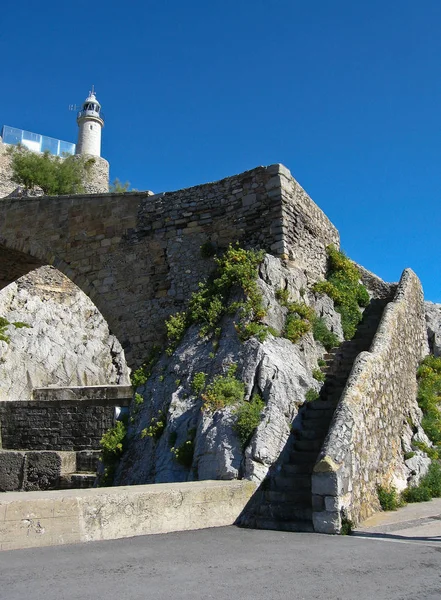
87 462
284 500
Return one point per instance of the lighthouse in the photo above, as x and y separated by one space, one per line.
90 121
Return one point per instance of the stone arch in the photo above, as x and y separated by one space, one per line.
80 350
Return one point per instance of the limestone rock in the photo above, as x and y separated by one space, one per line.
67 344
279 371
433 320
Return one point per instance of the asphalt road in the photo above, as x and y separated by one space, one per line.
227 564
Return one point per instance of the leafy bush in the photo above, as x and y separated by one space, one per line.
224 390
198 383
318 375
321 362
282 296
389 498
312 395
156 427
175 326
343 287
112 444
53 174
322 334
416 494
117 187
429 397
237 268
295 327
347 526
408 455
140 376
248 416
185 452
428 488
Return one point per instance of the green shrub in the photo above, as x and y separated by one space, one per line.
321 363
53 174
322 334
389 498
112 444
432 480
198 382
245 331
416 494
248 416
140 376
343 287
295 327
185 452
175 326
156 427
347 526
431 452
138 399
408 455
282 296
312 395
318 375
224 390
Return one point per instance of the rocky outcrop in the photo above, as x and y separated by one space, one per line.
433 320
67 343
279 371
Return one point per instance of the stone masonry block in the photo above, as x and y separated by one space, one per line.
11 471
326 521
42 471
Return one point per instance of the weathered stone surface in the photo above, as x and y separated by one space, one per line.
379 401
433 320
137 256
11 471
43 471
68 342
281 372
71 516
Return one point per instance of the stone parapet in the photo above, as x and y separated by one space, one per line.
363 447
52 518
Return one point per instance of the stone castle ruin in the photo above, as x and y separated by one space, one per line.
96 275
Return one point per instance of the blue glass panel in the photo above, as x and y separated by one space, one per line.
12 135
49 144
66 148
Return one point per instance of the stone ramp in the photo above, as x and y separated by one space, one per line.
71 516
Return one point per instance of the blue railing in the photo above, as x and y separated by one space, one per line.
35 141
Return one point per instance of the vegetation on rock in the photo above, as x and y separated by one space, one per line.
112 444
429 397
344 287
223 391
236 269
156 427
248 416
4 324
185 452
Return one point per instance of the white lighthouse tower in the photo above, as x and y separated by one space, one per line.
90 121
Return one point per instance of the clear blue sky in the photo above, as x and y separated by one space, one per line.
346 94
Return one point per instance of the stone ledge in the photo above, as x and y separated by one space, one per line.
52 518
109 394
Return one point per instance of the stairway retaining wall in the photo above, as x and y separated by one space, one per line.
363 447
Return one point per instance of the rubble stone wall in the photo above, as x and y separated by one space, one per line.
138 257
61 419
363 446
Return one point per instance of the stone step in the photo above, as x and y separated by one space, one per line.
285 511
322 414
321 405
300 458
78 481
277 525
288 482
88 460
311 434
300 469
300 499
321 426
308 445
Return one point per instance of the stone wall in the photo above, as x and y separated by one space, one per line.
137 256
363 446
61 418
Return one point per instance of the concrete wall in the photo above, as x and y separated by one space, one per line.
363 446
72 516
61 418
138 256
